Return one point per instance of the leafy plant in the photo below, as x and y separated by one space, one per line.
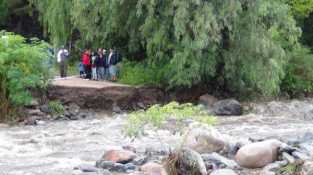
56 107
134 73
158 115
21 68
299 73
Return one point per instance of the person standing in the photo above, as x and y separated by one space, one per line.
106 65
100 64
62 60
94 66
87 63
112 65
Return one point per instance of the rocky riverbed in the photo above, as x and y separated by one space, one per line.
72 147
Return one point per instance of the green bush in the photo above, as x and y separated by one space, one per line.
22 68
299 72
134 73
56 107
158 115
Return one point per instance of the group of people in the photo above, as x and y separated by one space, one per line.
100 65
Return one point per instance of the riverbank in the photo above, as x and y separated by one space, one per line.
56 148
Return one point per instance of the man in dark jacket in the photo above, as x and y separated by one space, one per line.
100 63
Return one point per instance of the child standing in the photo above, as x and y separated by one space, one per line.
94 66
81 70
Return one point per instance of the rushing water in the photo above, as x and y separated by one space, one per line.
55 148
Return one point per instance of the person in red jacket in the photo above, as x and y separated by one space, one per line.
86 59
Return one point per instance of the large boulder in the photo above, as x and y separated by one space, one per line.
119 156
204 140
186 161
227 108
207 100
259 154
152 168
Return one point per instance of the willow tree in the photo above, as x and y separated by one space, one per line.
242 45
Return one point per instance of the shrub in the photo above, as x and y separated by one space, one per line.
134 73
56 107
21 68
299 72
158 115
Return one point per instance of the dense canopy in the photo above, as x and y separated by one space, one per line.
242 46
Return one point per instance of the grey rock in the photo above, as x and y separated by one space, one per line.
220 161
190 162
300 155
118 167
273 167
207 100
45 109
288 157
224 172
140 161
227 108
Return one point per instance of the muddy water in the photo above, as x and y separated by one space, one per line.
55 148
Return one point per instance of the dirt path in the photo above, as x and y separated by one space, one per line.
77 82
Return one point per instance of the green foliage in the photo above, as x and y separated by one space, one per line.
134 73
3 11
299 76
301 8
56 107
21 69
158 115
243 43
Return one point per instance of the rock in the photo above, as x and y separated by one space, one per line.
35 112
259 154
204 140
288 157
227 107
207 100
307 168
223 172
300 155
112 166
31 120
140 161
186 161
274 167
153 169
45 109
119 156
219 160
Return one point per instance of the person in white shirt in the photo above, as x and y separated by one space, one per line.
62 60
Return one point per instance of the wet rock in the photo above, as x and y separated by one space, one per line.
204 140
288 157
153 169
227 108
112 166
119 156
300 155
259 154
224 172
307 168
207 100
140 161
219 161
274 167
31 120
186 161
